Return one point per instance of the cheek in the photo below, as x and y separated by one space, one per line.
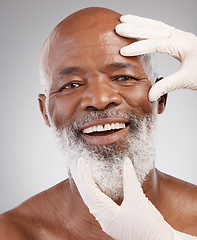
137 97
62 110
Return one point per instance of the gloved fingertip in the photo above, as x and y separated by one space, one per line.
130 181
126 51
126 160
125 18
123 51
128 164
154 94
122 18
153 97
81 161
118 27
121 29
82 165
128 170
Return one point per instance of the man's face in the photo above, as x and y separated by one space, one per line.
88 74
98 104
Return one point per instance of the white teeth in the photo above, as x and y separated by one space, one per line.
85 130
90 129
99 128
117 125
106 127
94 128
113 126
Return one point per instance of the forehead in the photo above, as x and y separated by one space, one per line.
85 47
82 48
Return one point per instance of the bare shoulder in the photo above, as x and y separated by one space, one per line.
10 230
36 217
179 204
185 191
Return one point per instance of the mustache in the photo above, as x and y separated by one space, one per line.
133 119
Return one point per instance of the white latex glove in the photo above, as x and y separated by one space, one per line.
156 36
135 219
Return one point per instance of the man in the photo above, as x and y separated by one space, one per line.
97 103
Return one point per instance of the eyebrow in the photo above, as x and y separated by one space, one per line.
68 70
119 65
111 66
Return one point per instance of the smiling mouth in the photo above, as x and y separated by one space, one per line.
104 131
100 130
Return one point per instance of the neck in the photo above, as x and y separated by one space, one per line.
150 188
79 210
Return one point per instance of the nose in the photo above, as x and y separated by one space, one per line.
99 96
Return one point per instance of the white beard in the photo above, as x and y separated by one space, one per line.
106 161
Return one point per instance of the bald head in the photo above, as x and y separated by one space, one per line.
89 19
83 23
82 28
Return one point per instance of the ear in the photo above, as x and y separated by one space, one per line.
162 103
42 105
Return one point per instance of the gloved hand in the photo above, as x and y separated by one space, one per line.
155 36
136 218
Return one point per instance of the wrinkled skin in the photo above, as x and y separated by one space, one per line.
87 41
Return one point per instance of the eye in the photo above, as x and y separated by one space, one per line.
123 78
70 86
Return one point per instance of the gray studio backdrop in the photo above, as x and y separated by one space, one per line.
30 161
